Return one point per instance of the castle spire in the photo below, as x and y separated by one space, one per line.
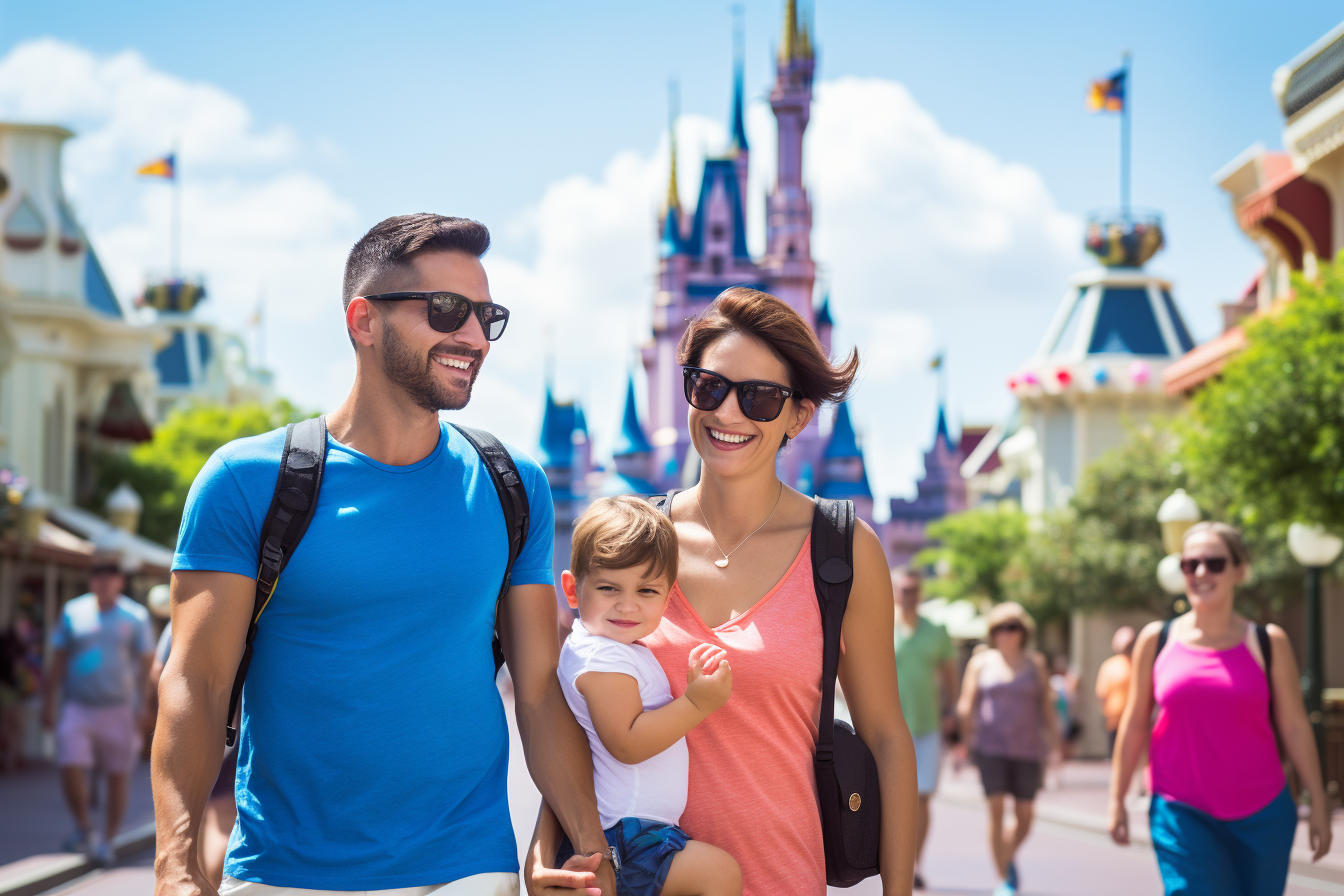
788 45
673 198
738 124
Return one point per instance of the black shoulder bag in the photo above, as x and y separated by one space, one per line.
847 781
295 501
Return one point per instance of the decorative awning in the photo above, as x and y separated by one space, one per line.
122 418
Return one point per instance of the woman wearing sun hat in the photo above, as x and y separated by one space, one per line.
1007 714
1222 819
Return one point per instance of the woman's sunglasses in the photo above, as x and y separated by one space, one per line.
759 400
1215 565
448 311
1009 627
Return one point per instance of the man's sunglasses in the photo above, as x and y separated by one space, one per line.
759 400
104 570
448 311
1215 565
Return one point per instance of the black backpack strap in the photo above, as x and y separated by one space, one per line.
663 503
832 576
513 500
1267 652
1162 638
292 507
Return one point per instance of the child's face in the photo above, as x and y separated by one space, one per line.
621 604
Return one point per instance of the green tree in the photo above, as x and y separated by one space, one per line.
163 469
974 551
1270 430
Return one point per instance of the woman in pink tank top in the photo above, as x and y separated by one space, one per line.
1221 818
755 376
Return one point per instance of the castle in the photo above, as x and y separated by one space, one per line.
701 252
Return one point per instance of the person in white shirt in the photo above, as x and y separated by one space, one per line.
623 564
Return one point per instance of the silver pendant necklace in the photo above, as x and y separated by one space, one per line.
721 564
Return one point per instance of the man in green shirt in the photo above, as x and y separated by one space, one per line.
926 669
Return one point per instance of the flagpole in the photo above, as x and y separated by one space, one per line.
175 236
1124 140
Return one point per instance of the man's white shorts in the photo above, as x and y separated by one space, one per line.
496 883
928 761
105 733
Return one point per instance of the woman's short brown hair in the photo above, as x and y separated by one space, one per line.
742 309
1230 536
623 533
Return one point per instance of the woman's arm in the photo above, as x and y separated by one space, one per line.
1299 741
966 702
1048 712
868 677
1132 736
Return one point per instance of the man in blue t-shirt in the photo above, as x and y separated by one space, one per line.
101 651
374 750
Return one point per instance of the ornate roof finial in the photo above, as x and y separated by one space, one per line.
673 102
788 45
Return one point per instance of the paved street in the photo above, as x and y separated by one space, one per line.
1060 859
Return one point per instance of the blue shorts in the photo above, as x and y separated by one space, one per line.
928 759
1200 855
645 850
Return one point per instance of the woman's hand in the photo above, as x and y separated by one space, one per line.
1118 822
579 873
1318 826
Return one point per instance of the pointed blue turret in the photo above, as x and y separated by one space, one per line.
824 312
557 433
843 442
631 439
738 126
941 432
670 243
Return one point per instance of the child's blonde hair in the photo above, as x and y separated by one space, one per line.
622 533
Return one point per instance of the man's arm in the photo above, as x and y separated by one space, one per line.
554 745
211 612
55 678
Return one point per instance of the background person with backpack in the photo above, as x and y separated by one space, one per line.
374 751
1221 817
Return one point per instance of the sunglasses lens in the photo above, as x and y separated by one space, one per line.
448 312
705 391
1215 565
761 402
494 318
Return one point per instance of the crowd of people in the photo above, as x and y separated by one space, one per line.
674 733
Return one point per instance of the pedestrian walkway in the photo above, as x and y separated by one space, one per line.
1080 797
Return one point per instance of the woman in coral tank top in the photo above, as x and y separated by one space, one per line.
1222 819
755 376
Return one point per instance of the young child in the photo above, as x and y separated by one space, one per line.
622 567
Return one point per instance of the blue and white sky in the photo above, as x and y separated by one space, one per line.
950 159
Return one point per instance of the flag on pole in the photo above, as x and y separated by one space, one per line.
1108 94
165 168
937 362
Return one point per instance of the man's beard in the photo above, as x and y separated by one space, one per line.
418 378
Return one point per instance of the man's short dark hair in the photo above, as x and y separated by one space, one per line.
390 244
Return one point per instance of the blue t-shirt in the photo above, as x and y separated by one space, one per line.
374 750
106 648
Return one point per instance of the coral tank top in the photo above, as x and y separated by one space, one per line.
752 790
1213 745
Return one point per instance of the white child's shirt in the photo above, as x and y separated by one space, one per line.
655 789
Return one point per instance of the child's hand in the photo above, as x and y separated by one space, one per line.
709 680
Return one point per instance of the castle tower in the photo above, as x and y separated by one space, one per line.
788 227
738 150
942 491
843 470
632 456
564 458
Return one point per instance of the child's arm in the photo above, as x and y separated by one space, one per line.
632 735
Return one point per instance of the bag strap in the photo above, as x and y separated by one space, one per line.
663 503
512 499
832 576
1267 652
297 486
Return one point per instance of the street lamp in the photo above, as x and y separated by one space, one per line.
1176 515
1315 549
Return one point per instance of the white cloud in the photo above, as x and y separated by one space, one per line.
254 221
